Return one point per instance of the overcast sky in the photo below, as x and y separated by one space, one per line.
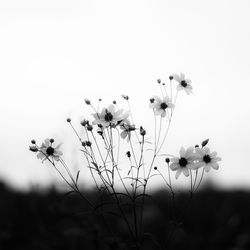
55 53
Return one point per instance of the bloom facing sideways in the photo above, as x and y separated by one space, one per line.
46 151
184 84
184 163
126 128
206 159
161 105
110 117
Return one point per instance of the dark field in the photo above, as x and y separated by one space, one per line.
213 220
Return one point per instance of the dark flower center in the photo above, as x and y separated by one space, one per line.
206 158
183 83
108 117
183 162
164 105
50 151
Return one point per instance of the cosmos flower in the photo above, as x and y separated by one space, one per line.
184 163
161 105
206 159
47 150
126 128
110 117
184 84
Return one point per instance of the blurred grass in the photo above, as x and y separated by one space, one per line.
214 220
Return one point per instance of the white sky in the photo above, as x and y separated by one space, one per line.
55 53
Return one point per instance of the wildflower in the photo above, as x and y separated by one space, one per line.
161 105
46 151
110 117
184 84
127 128
207 159
184 163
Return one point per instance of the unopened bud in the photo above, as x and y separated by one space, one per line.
51 140
84 122
33 148
152 100
87 101
89 127
171 78
142 131
167 160
68 120
128 154
125 97
33 141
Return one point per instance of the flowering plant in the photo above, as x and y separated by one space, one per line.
112 135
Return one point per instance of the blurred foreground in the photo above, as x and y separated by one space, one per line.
213 220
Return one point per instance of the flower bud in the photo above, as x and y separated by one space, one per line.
68 120
33 141
88 143
142 131
89 127
84 122
51 140
152 100
33 148
155 168
83 144
167 160
128 154
204 143
125 97
114 102
171 78
159 80
87 101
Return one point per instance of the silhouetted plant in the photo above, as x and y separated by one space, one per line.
111 139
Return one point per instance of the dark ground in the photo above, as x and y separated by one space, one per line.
214 220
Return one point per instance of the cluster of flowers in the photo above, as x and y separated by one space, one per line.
193 158
111 117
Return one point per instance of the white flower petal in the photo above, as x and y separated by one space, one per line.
174 166
185 171
182 152
215 165
207 167
175 159
178 173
